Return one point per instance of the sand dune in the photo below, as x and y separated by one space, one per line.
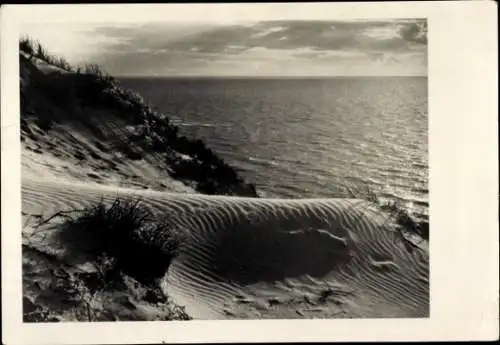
272 258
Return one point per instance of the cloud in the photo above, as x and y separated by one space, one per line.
319 35
305 45
415 32
269 31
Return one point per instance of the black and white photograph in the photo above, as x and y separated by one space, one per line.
242 167
270 169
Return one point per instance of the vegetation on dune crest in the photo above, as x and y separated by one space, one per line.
89 86
34 49
398 213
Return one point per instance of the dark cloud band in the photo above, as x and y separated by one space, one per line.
152 46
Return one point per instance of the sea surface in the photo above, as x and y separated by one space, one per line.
308 138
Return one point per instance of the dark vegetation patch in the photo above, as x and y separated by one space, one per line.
138 243
60 97
401 215
398 213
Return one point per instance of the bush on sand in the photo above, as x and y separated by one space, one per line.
138 243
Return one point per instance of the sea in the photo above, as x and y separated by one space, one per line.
308 137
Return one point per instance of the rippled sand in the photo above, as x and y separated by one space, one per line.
271 258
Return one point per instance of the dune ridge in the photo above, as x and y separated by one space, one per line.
240 246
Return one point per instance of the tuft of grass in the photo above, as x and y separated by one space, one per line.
396 211
404 220
138 243
178 313
28 45
33 48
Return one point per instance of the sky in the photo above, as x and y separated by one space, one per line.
284 47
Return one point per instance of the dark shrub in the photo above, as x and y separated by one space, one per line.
27 45
423 230
139 244
61 90
133 153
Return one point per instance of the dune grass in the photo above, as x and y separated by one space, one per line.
34 49
136 241
396 210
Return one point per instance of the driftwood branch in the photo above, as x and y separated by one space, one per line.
43 221
61 214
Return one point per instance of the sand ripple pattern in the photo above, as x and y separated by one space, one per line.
237 247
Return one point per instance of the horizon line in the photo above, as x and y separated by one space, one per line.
270 76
